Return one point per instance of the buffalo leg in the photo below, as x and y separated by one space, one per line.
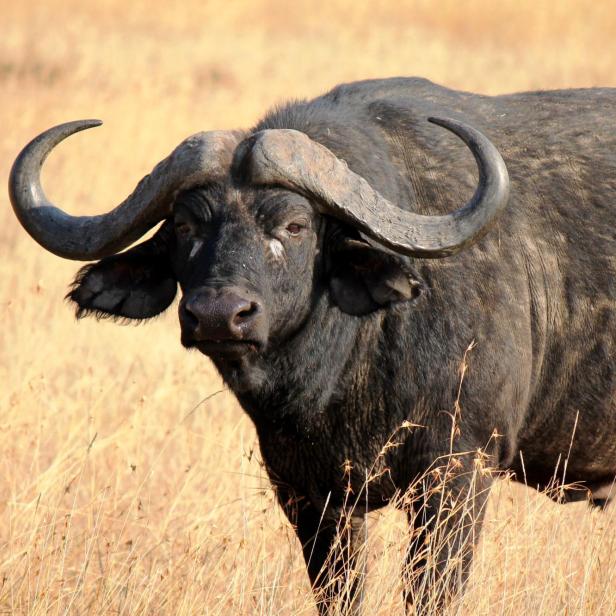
334 553
445 525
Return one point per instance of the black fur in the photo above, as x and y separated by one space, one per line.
354 360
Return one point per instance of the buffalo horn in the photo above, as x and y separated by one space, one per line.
197 160
291 159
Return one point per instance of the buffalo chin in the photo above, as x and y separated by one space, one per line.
224 349
244 374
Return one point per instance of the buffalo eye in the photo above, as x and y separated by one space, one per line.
294 228
183 229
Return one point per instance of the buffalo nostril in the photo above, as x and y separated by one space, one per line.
246 313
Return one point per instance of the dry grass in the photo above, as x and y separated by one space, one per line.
125 489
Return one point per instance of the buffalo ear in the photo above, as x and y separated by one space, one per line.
136 284
364 278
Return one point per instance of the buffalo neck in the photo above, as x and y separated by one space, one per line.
323 366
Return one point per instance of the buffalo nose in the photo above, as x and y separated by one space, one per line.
219 314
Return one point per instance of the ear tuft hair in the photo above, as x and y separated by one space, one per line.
364 279
137 284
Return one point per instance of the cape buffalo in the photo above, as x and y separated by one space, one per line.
378 331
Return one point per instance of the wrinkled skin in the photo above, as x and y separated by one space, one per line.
354 341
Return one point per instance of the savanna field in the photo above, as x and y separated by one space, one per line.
130 479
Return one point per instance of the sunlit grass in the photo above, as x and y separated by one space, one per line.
126 488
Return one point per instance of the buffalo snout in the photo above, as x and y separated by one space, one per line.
229 321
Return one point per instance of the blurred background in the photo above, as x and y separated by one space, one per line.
125 488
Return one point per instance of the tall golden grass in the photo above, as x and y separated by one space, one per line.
131 481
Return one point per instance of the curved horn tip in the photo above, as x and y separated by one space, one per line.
75 125
91 123
440 121
452 125
37 150
464 131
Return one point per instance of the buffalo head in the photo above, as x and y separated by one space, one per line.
256 230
